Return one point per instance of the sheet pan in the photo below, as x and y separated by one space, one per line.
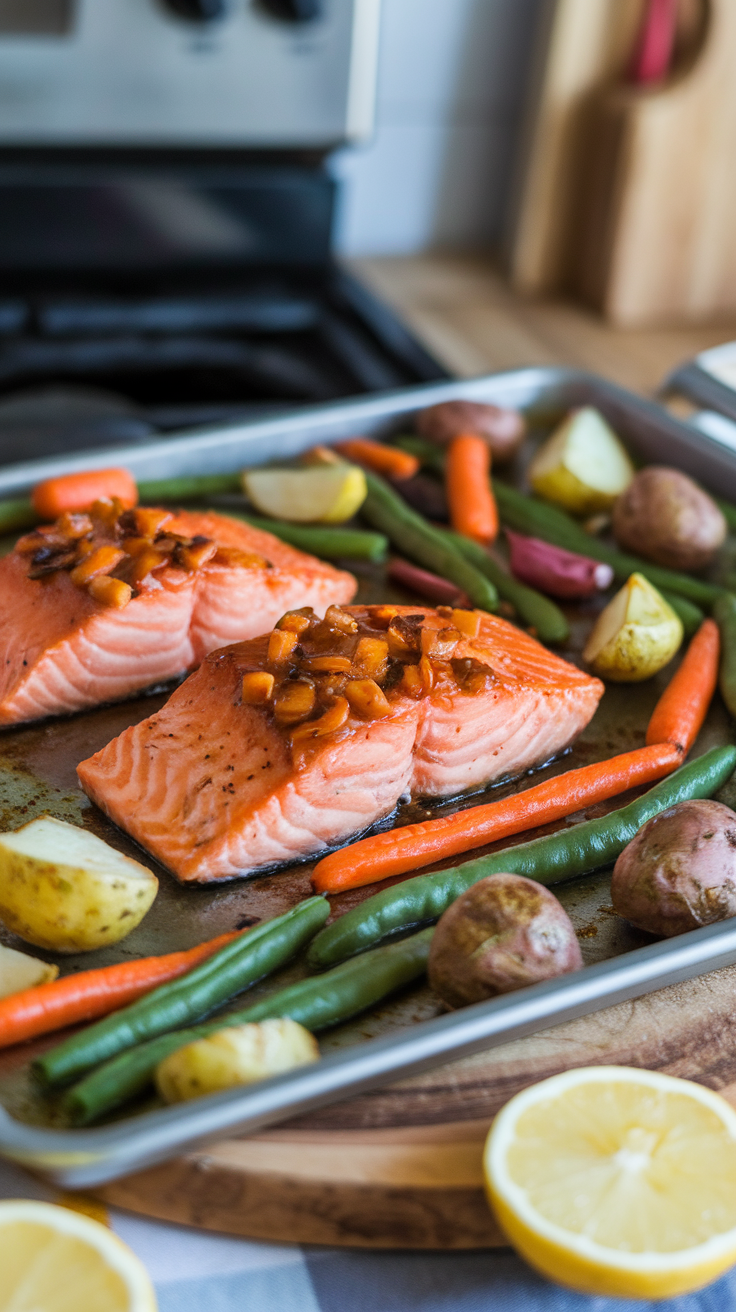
406 1035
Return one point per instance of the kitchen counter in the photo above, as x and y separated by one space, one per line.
469 318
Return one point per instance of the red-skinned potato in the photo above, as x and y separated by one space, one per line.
679 871
665 517
503 933
503 429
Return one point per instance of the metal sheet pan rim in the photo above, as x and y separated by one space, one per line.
222 448
79 1157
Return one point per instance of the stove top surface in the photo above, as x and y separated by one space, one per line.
87 364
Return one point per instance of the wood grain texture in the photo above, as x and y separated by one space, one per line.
464 310
658 243
401 1167
583 45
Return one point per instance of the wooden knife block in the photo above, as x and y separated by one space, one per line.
638 214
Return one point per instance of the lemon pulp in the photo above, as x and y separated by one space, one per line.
617 1181
59 1261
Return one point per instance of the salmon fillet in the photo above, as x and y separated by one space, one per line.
62 651
214 787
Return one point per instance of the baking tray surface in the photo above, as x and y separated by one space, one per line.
407 1034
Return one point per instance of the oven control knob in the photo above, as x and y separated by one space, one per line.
197 11
293 11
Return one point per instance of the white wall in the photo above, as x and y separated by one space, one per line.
450 91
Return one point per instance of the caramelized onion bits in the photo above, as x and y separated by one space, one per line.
233 556
281 644
257 688
366 699
439 644
145 563
323 670
382 616
467 622
371 658
327 664
110 592
132 544
149 521
72 527
411 684
102 560
339 619
404 637
294 701
296 621
333 719
192 556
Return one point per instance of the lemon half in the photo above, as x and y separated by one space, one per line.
617 1181
60 1261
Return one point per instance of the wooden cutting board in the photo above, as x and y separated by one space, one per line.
401 1167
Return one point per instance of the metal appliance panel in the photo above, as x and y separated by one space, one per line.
133 72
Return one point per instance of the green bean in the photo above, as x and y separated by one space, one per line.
16 515
315 1003
235 967
433 457
190 487
533 608
330 543
547 860
690 615
724 614
544 521
415 537
536 610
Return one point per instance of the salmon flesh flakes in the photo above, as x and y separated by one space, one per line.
277 749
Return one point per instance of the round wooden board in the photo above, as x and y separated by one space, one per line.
401 1167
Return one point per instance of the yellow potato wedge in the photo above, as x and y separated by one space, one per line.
18 971
315 494
583 465
635 636
240 1054
63 889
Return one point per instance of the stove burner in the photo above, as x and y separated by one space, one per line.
79 371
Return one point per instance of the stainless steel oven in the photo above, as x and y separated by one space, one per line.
166 218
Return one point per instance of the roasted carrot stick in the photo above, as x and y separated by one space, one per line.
472 505
678 716
399 850
386 460
93 993
77 491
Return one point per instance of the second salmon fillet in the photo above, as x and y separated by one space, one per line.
280 748
102 605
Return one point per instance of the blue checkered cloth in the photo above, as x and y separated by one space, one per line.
198 1272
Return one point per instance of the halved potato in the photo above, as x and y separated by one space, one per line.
64 889
18 971
316 494
583 465
239 1054
635 636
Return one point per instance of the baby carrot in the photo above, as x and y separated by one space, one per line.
93 993
472 505
54 496
399 850
386 460
678 716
